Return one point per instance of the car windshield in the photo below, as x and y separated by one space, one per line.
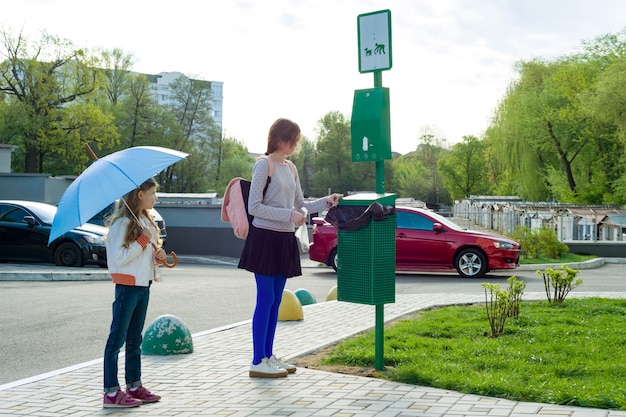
448 223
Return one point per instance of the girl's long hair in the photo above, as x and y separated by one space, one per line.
282 131
132 200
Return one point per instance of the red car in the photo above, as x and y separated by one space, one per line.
426 241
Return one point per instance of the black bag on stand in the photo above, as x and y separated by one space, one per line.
356 217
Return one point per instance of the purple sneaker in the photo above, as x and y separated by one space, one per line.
144 395
121 400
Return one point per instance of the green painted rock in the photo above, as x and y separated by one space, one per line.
305 296
167 335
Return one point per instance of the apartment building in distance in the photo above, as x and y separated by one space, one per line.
160 88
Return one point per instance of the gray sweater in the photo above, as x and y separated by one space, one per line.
283 196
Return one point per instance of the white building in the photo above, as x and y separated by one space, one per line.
160 88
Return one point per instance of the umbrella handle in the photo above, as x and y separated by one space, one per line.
175 258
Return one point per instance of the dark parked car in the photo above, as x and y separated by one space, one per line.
25 229
102 217
426 241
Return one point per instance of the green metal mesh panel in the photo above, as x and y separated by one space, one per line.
366 271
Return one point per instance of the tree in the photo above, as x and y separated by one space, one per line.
334 168
304 159
40 81
464 168
431 146
515 134
415 174
500 176
409 179
606 102
83 122
198 132
544 135
116 66
236 162
139 118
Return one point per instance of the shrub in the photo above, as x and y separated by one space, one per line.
549 245
516 289
539 242
529 241
502 304
497 305
558 283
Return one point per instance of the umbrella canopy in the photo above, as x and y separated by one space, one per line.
106 180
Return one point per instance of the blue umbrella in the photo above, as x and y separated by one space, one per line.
106 180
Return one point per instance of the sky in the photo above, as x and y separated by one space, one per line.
452 60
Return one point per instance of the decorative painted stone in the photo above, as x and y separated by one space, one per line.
332 294
305 296
167 335
290 307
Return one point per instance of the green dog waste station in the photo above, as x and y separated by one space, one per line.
366 254
366 264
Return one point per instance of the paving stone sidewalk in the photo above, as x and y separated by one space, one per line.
213 380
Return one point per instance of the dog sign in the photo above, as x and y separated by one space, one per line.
374 41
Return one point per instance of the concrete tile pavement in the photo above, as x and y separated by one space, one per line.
213 380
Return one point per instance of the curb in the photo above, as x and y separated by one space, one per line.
590 264
50 272
47 272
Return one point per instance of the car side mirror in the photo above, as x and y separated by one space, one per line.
438 227
30 220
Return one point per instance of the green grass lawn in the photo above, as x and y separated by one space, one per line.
565 258
569 354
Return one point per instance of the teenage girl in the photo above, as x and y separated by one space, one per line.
271 250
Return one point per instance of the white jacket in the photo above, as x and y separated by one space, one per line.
136 264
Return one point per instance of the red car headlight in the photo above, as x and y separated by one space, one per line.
503 245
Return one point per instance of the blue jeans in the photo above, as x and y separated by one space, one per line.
129 315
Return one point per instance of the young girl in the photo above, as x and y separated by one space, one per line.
271 249
132 262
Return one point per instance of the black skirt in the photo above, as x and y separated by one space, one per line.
272 253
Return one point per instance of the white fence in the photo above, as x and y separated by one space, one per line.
570 222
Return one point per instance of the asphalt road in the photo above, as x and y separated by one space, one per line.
46 326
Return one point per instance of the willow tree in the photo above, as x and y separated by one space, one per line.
544 133
559 131
606 101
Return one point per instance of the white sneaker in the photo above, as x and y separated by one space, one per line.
274 361
266 370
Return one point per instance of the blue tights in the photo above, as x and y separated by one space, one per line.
269 292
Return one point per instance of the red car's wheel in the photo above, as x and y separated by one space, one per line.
333 259
471 263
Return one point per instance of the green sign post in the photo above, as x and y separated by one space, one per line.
371 142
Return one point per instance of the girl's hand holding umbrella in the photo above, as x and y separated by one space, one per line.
159 253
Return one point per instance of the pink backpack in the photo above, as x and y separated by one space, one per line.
235 204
